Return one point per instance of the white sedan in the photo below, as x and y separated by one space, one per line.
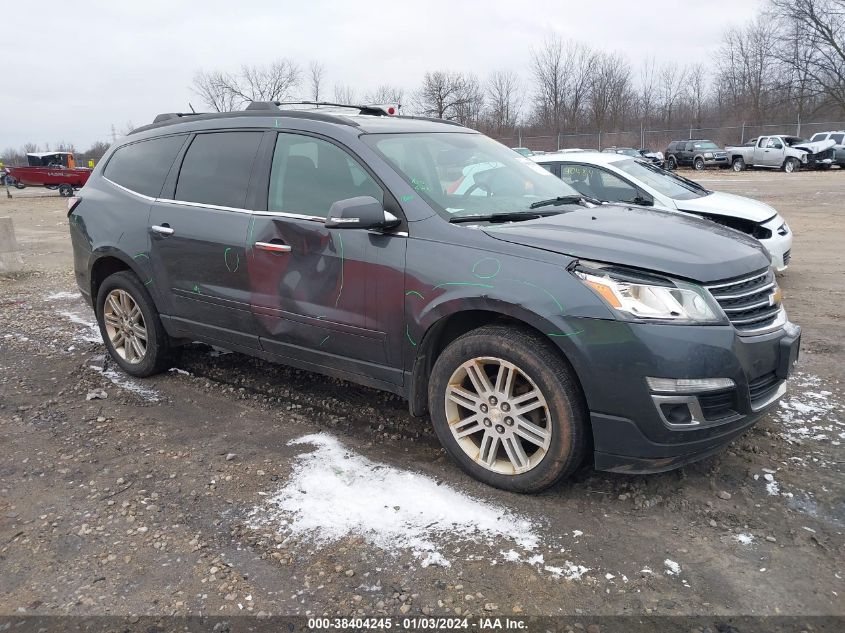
618 178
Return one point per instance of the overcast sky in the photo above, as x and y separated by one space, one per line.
72 69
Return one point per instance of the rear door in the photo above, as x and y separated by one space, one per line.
198 230
326 297
761 151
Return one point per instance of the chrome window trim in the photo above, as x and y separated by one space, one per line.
128 190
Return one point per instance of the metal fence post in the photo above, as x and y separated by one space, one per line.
558 141
798 129
742 135
519 131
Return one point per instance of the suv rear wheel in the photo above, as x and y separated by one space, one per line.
130 326
672 163
507 409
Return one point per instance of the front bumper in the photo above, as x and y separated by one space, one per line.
630 433
716 160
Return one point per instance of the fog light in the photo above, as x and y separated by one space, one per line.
688 385
676 413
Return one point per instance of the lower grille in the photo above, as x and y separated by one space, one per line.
752 302
786 257
718 405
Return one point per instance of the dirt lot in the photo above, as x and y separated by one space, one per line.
231 485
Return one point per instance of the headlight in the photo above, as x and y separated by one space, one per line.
708 154
649 297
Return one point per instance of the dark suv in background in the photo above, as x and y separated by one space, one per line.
420 257
698 154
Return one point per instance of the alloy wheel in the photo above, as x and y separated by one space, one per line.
125 326
498 415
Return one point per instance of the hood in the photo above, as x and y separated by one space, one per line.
728 204
666 242
814 147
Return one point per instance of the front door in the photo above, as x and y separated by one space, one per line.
321 295
198 231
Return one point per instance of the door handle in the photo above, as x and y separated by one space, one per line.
164 229
273 247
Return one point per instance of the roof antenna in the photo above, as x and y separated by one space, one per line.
191 107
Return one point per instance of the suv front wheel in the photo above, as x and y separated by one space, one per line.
130 326
507 409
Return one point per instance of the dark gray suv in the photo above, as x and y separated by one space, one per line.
420 257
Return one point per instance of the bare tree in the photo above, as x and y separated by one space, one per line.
345 94
670 89
696 91
504 100
610 91
450 95
562 73
316 74
213 89
747 67
385 94
225 92
818 32
647 90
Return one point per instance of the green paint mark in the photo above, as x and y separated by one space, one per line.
541 289
419 185
140 256
323 341
462 283
277 122
408 334
226 260
562 334
342 266
147 283
415 293
408 197
481 261
196 289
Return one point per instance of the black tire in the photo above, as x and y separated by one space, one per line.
536 359
66 191
157 357
672 163
698 164
738 164
791 165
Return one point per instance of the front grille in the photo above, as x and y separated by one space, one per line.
717 405
720 155
786 256
749 302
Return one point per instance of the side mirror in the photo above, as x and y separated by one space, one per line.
362 212
643 199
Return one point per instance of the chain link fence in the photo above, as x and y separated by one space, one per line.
660 139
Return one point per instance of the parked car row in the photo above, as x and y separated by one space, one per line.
537 326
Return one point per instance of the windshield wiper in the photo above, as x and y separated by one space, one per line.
563 200
513 216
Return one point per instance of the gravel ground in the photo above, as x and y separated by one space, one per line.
231 485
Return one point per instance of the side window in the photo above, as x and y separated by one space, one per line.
553 168
819 137
690 147
611 187
217 167
310 174
580 178
774 143
762 142
837 138
142 167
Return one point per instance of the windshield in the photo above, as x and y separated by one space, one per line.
467 174
629 152
665 182
706 145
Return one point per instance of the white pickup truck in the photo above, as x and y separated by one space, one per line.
789 153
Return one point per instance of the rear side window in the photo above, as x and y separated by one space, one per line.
142 167
837 138
819 137
217 167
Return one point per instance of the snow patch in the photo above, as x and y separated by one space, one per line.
93 334
62 296
569 571
745 539
809 412
124 382
672 568
333 493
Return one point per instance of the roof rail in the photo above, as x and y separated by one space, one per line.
167 116
276 105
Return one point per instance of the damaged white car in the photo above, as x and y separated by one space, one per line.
789 153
